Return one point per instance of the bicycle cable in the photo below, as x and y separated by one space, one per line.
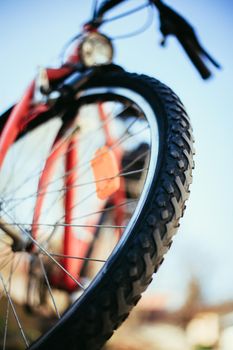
94 8
126 13
144 27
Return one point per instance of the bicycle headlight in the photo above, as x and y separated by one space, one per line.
96 49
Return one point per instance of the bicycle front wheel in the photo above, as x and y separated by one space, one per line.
112 202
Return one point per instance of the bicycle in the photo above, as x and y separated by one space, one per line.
124 138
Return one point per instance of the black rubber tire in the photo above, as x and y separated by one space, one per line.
118 287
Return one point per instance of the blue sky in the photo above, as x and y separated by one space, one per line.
33 33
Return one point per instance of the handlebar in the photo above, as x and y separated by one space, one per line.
171 23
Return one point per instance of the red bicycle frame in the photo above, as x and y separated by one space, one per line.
20 117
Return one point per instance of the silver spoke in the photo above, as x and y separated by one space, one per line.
76 257
14 311
6 325
49 287
106 209
64 225
8 307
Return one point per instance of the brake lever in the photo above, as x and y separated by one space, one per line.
172 23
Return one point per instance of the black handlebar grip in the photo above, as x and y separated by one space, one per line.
195 56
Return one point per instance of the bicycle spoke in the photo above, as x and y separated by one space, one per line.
49 287
14 311
6 325
106 209
76 257
8 307
64 225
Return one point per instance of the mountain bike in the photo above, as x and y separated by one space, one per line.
95 169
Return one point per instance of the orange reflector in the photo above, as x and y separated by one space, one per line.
105 169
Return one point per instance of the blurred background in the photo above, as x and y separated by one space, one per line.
189 305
